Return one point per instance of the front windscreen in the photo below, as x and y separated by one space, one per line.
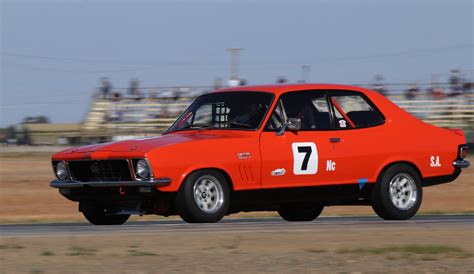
225 110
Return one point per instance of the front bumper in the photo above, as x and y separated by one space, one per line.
78 184
461 163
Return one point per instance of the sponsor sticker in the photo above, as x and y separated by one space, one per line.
330 165
435 161
243 155
279 172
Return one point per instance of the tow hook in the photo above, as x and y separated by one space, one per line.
122 190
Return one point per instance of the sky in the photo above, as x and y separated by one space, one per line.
54 52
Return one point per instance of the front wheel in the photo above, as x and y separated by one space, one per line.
300 214
398 193
203 197
98 216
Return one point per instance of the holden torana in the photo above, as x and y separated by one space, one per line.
293 149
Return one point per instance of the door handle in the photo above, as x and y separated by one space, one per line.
334 140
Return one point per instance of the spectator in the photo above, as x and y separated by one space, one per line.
468 87
117 96
378 85
411 92
106 87
133 88
281 80
176 93
436 92
455 83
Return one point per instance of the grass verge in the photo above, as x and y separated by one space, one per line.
81 251
410 249
134 252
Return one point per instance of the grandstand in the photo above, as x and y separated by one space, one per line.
448 112
107 119
120 118
116 119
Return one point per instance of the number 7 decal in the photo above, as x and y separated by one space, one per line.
305 158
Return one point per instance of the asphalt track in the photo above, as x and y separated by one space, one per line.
231 225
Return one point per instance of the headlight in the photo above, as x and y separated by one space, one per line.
61 171
142 169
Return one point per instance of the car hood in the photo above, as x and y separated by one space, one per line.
138 145
145 145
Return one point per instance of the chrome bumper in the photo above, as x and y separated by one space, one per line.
461 163
74 184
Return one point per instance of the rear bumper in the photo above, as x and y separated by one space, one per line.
78 184
461 163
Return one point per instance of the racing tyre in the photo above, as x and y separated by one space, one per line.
300 214
398 193
203 197
97 216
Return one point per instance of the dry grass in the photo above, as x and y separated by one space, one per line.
410 249
326 249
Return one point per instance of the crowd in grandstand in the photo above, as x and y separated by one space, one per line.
455 86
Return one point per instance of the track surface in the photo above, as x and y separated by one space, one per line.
233 225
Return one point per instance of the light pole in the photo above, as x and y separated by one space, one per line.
234 62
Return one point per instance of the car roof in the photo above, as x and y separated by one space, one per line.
278 89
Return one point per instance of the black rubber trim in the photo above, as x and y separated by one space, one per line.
72 183
431 181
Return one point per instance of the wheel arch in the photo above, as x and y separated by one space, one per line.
224 173
411 164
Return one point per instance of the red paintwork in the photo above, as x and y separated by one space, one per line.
362 153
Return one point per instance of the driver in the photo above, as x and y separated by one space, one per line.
249 115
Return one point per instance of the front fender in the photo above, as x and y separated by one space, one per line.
178 161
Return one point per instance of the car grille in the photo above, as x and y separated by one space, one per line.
104 170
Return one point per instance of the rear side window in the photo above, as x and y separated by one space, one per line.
354 111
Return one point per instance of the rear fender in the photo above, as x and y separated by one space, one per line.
410 161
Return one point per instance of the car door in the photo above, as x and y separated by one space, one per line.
359 141
302 157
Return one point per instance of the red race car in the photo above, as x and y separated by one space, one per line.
289 148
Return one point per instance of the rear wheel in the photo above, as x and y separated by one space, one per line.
98 216
398 193
203 197
300 214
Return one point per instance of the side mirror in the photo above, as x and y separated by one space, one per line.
292 124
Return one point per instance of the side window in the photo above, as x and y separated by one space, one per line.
211 113
354 111
309 106
203 115
323 119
